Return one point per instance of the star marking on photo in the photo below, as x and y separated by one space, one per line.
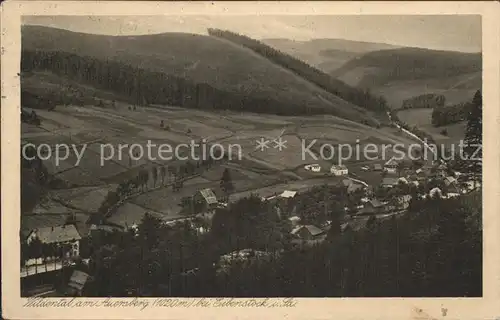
262 144
280 144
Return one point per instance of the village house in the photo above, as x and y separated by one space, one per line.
308 232
373 206
389 182
313 167
391 166
205 199
440 170
403 180
377 167
287 194
450 181
339 170
65 236
351 186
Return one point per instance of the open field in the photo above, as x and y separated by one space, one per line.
87 199
422 118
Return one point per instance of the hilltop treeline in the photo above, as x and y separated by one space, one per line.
430 100
359 97
442 116
142 87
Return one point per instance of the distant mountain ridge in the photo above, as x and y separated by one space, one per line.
326 54
384 66
400 74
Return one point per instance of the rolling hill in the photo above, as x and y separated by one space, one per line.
199 60
326 54
402 73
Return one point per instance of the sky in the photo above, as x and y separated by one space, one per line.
441 32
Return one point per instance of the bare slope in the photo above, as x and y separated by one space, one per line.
201 59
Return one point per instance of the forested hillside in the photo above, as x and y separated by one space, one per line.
355 96
140 86
191 70
405 64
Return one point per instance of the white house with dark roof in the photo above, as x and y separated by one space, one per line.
391 166
207 198
308 232
339 170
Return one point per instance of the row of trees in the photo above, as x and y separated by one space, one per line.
443 116
358 97
141 87
429 100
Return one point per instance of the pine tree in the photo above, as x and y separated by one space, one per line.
226 182
474 137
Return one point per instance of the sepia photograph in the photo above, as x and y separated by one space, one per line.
232 156
244 156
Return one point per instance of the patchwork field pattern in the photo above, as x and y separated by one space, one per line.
99 128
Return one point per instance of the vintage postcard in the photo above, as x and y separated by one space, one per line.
307 160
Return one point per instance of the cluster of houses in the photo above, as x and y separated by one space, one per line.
336 169
65 238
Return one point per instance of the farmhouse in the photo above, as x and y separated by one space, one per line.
449 181
372 207
389 182
313 167
339 170
206 198
65 236
391 166
353 187
308 232
288 194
